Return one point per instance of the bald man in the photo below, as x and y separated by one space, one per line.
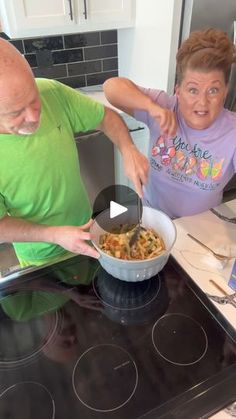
44 207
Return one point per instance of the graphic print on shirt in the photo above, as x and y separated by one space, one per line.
186 165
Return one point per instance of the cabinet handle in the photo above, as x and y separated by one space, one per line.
85 10
136 129
71 10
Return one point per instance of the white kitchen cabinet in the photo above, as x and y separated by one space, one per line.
27 18
31 17
109 12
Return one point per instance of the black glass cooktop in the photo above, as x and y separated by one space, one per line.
78 343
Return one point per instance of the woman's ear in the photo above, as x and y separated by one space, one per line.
177 90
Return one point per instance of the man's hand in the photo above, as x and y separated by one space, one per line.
136 167
75 239
166 119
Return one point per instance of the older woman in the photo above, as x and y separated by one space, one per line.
192 147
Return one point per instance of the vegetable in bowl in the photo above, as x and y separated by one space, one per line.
134 270
148 245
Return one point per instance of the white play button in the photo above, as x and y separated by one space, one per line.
115 206
116 209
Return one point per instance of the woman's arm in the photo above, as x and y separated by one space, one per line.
125 95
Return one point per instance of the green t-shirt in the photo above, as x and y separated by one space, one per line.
40 177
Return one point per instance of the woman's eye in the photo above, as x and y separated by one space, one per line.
192 90
213 91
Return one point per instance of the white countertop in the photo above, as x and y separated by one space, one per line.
200 264
96 93
221 415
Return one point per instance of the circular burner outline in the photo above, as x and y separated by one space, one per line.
132 308
135 386
194 321
9 364
35 383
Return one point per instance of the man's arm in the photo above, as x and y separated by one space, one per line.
125 95
135 163
69 237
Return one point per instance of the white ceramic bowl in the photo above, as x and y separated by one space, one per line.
137 270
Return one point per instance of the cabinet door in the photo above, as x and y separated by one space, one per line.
28 18
108 10
105 14
36 17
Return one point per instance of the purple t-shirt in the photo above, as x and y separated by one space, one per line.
188 172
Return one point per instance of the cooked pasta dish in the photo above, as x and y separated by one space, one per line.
148 245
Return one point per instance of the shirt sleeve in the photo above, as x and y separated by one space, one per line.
83 112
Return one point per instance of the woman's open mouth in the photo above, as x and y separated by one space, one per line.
201 113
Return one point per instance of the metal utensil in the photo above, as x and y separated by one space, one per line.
218 256
138 228
223 217
225 299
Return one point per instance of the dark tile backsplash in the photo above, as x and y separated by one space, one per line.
103 51
110 64
78 60
31 58
109 37
68 56
80 40
39 44
85 67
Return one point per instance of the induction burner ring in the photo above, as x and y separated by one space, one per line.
179 339
105 378
137 285
24 400
33 338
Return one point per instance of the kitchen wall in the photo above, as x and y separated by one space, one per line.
147 51
78 60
